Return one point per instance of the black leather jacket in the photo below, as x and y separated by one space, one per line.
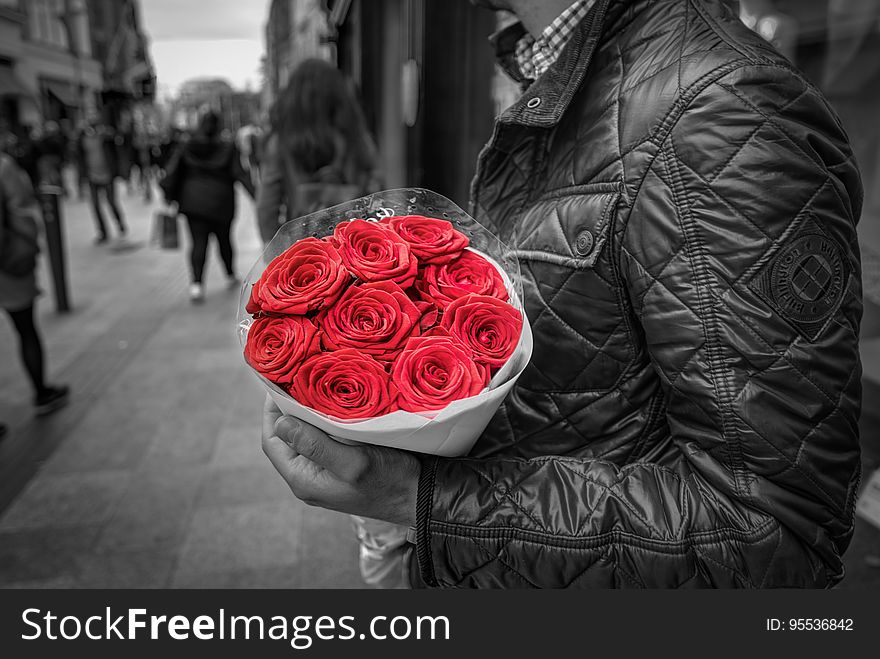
683 203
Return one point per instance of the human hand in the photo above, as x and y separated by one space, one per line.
369 481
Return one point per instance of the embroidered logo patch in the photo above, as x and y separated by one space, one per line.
805 282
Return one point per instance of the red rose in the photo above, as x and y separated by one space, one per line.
276 346
344 384
470 273
375 318
486 325
374 252
434 371
432 240
308 276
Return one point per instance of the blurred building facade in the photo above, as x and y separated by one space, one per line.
47 66
61 58
120 44
296 30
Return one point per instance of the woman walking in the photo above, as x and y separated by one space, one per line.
18 282
201 180
318 152
99 160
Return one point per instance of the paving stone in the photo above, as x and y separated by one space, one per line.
109 437
128 569
56 583
281 577
66 500
238 446
319 568
235 538
243 485
46 554
154 512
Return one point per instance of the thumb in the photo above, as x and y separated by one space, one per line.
305 439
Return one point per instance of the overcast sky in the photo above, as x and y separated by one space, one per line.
197 38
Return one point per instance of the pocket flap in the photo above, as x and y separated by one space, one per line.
568 227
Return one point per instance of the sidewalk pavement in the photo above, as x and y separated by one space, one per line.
153 476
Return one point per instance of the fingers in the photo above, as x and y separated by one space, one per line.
346 462
271 414
280 454
310 483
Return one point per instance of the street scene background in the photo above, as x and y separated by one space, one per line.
153 475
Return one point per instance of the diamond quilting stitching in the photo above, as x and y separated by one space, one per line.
770 117
767 119
502 562
609 491
805 474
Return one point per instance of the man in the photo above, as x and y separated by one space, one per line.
683 205
98 158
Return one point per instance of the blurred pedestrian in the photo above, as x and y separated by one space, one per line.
318 152
75 157
22 146
51 149
249 139
170 143
201 179
98 156
126 153
18 284
143 152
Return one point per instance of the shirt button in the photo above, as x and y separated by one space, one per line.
584 243
533 103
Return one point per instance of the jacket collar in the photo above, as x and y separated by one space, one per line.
543 103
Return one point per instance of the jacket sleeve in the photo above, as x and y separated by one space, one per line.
271 192
739 255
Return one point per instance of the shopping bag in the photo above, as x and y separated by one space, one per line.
166 232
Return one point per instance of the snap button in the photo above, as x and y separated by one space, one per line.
533 103
583 245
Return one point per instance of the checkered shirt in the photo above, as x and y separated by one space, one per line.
535 56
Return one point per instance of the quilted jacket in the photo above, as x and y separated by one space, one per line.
683 204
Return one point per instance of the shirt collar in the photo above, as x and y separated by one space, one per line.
535 56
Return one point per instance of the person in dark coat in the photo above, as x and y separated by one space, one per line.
19 214
99 160
683 205
201 180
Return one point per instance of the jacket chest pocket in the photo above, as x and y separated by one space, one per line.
568 228
572 293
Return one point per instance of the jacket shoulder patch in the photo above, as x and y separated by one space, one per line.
805 281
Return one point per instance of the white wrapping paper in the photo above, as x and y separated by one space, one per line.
453 430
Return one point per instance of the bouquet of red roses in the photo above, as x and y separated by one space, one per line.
388 320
